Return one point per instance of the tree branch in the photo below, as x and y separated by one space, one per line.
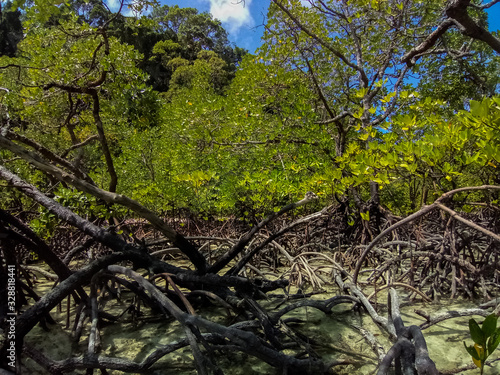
410 57
78 145
457 9
240 245
177 239
490 4
328 46
49 155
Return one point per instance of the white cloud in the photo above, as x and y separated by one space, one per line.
114 6
233 13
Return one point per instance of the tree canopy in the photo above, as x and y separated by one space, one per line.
340 100
377 110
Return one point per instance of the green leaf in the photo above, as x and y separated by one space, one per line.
365 215
489 325
364 137
472 351
476 333
494 341
478 109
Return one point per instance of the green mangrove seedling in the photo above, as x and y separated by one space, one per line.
486 340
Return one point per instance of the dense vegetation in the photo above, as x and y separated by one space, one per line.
381 108
327 105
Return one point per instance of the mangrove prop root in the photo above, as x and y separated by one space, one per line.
423 211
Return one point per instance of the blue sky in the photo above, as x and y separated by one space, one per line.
243 19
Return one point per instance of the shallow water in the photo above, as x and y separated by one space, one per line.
334 333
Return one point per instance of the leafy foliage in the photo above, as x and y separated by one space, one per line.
486 339
82 204
163 110
325 106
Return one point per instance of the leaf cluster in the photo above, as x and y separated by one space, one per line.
486 339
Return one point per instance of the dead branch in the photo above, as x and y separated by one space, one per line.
393 284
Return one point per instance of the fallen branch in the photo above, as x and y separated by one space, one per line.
393 284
